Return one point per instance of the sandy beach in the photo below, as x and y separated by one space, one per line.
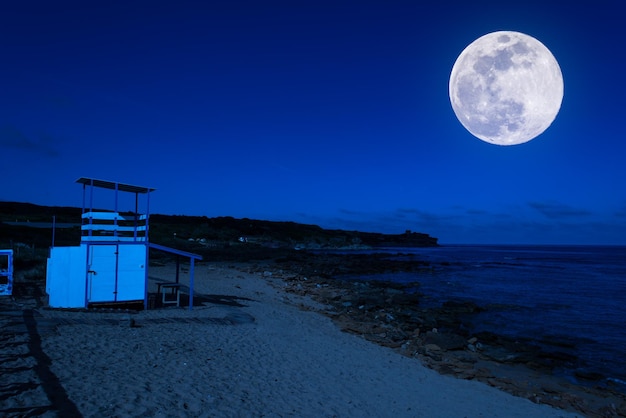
251 349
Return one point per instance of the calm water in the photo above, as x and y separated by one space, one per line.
569 299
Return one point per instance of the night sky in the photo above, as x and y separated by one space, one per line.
333 113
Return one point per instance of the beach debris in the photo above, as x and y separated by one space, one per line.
128 321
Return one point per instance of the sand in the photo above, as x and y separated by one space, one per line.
254 351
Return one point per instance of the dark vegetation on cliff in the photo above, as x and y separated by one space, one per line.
222 237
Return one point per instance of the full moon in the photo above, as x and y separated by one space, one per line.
506 88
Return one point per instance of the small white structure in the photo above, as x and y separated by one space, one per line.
111 263
6 273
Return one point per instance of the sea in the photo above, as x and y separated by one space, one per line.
568 299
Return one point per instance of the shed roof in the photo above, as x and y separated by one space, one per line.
174 251
112 185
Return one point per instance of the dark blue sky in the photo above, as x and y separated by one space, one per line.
333 113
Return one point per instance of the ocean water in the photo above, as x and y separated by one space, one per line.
569 299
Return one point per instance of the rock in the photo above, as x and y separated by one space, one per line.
461 306
501 355
127 321
392 291
433 351
378 330
447 341
403 299
432 347
581 374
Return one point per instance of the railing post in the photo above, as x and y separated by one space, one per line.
191 274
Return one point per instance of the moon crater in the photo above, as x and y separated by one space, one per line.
506 88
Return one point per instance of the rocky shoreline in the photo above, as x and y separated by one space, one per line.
390 315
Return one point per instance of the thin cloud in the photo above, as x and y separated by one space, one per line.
421 215
13 138
476 212
621 212
553 210
350 212
473 226
395 221
407 211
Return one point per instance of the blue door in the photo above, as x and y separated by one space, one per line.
131 272
101 273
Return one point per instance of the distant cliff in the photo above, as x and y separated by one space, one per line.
280 234
17 221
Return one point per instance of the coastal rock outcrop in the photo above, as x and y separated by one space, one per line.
391 315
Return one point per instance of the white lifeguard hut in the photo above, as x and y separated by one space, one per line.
111 263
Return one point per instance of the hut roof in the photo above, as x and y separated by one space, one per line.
113 185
